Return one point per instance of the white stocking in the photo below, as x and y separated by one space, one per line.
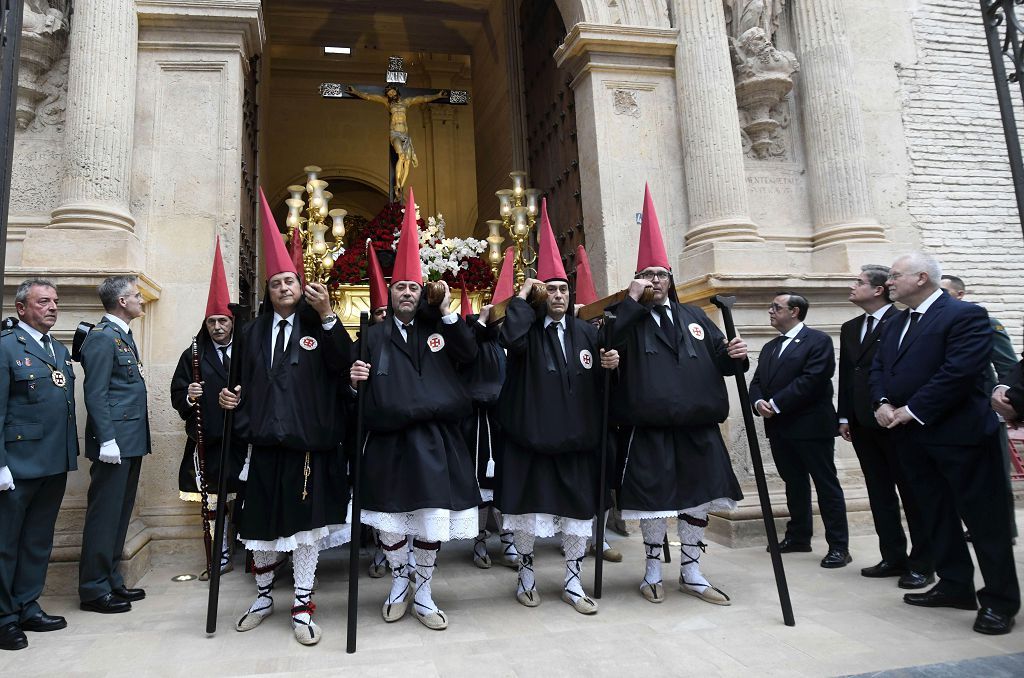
575 548
397 554
426 559
524 545
653 531
508 547
304 560
265 564
691 538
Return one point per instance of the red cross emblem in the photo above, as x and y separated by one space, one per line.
697 331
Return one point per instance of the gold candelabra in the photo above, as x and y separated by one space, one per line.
318 254
519 207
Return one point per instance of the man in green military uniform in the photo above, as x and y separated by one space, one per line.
116 439
38 448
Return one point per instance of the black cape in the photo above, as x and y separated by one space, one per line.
215 378
288 410
668 403
414 456
550 414
483 379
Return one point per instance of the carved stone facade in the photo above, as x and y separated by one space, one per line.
766 175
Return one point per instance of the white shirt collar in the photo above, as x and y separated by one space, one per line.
794 331
923 307
548 320
32 332
117 321
277 319
880 313
400 325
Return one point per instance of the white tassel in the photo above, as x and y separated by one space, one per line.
489 473
244 475
490 468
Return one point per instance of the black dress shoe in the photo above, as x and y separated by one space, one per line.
884 569
129 594
12 637
993 623
935 598
915 580
108 603
41 622
836 558
787 545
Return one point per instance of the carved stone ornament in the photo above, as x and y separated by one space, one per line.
764 77
43 70
626 104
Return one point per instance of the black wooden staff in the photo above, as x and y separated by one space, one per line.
602 485
227 438
356 524
726 304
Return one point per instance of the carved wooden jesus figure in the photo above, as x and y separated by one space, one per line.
401 141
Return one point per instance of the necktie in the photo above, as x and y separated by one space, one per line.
47 345
131 343
407 328
867 332
225 358
668 326
279 343
914 317
557 345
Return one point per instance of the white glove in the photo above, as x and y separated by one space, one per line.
110 453
6 479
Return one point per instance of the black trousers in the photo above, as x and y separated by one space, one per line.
883 474
111 498
28 514
969 482
799 462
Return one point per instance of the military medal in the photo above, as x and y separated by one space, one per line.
59 380
28 361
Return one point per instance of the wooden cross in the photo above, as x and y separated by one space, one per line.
397 99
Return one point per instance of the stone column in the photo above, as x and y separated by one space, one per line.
833 128
712 153
94 190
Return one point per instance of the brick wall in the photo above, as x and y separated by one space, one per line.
960 193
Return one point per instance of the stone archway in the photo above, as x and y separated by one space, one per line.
653 13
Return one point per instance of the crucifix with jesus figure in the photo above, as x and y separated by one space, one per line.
397 100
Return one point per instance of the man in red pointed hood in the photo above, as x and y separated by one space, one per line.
189 396
378 288
293 361
550 415
670 398
417 480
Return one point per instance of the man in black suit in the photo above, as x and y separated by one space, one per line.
792 390
879 457
927 387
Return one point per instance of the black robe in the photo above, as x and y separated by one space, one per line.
414 455
293 408
669 403
483 379
214 378
550 412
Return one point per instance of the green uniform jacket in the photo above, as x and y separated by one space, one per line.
115 393
40 433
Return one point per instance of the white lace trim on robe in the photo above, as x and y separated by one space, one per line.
429 524
322 537
723 504
547 525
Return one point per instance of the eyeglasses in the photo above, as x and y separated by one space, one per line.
894 275
775 307
655 275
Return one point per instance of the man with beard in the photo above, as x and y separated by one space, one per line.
550 412
294 359
670 399
416 475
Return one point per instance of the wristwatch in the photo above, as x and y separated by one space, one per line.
328 319
878 403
